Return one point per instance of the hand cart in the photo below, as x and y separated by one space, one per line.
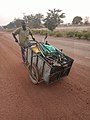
46 63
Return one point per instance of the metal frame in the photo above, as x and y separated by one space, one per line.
55 72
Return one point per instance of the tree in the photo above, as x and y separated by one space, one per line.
77 20
17 22
53 19
86 20
10 25
34 21
38 20
14 24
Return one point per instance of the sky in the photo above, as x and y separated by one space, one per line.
10 9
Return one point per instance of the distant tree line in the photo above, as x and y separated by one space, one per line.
78 20
53 19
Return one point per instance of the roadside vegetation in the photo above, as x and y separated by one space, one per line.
51 24
70 33
67 33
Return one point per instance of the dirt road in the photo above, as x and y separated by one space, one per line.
67 99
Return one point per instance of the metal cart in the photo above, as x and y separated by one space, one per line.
46 64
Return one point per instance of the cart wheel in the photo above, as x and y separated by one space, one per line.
33 73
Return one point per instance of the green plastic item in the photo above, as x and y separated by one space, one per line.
47 49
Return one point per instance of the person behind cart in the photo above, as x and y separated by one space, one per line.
23 33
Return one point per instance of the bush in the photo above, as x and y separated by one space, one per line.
79 35
76 34
43 32
70 34
51 33
58 34
86 35
36 31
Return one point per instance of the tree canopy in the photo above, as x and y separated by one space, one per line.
86 20
34 21
77 20
53 19
14 24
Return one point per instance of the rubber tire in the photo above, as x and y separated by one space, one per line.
33 73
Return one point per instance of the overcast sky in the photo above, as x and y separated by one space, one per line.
10 9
